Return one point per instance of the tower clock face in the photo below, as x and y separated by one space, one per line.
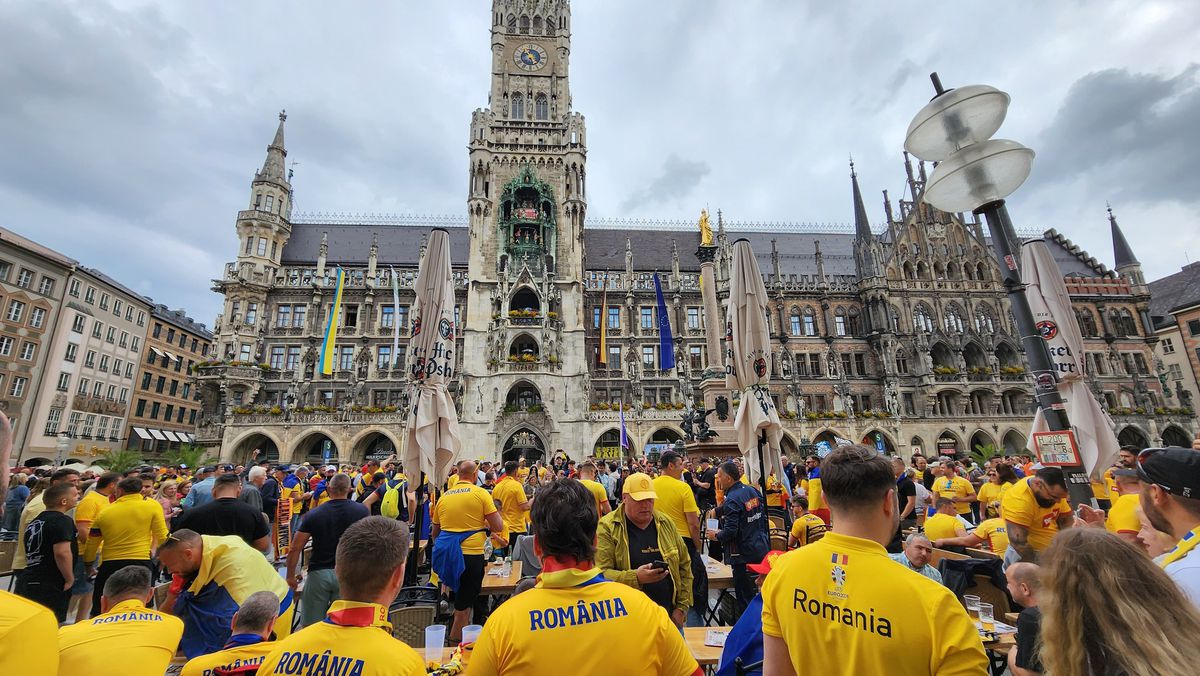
530 57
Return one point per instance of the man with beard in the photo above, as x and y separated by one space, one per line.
1171 502
1035 508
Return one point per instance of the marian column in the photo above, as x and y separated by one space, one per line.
713 386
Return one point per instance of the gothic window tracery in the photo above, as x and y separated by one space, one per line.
518 106
541 107
922 318
953 320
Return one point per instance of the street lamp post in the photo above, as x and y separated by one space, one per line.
975 172
64 443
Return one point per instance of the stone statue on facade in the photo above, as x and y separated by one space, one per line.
892 399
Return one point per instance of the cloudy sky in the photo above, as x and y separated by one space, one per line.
129 130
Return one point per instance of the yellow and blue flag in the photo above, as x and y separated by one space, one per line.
329 347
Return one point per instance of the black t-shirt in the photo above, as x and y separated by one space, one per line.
643 549
1029 624
376 506
709 494
325 525
41 534
905 489
270 498
225 516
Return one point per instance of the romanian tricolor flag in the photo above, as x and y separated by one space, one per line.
329 347
841 558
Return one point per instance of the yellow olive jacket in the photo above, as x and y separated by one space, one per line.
612 554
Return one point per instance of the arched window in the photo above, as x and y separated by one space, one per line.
922 319
512 22
1087 323
894 319
1114 320
537 25
984 321
541 107
1128 326
953 320
810 322
839 322
854 322
795 322
518 107
550 25
524 23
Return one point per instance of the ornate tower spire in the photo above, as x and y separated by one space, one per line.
862 224
1126 264
273 167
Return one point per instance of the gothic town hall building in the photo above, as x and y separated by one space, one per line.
899 336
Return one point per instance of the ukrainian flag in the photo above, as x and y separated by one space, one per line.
329 347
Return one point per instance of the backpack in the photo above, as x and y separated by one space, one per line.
394 504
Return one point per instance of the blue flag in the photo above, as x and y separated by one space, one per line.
666 346
624 432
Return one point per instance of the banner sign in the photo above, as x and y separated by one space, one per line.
1056 448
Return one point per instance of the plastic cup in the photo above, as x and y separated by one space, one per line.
435 641
972 604
986 620
471 633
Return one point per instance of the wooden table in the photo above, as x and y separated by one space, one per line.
720 577
706 656
1011 618
496 585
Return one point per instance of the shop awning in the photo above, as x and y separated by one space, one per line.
158 435
157 351
172 356
142 433
170 435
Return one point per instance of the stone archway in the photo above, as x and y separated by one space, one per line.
981 439
949 443
608 445
1133 436
316 447
373 444
1173 435
880 441
1014 442
242 447
523 443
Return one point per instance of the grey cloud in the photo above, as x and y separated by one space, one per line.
677 179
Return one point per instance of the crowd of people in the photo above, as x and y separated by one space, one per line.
272 568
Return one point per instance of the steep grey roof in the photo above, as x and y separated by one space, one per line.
1179 290
605 249
1122 252
181 319
116 285
1071 259
349 244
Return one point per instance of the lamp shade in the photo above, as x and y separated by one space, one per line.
954 120
979 174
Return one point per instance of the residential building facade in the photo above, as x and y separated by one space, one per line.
898 335
1175 311
165 404
33 280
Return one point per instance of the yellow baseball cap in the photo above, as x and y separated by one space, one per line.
639 487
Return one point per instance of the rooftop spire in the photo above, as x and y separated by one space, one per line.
862 224
1122 252
273 166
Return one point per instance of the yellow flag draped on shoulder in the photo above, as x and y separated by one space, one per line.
329 347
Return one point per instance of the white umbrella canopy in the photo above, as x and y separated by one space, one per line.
433 440
1055 321
747 359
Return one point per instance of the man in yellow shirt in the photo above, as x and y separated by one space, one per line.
992 534
356 637
575 616
816 501
843 593
250 641
587 477
956 488
213 576
513 503
1035 508
807 527
677 501
127 637
1123 515
27 634
129 528
944 524
461 519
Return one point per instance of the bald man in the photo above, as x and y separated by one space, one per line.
1024 584
461 520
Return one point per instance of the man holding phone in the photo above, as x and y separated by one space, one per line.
641 547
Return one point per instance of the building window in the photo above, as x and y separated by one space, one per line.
77 324
102 427
922 320
244 351
846 368
810 322
97 389
277 355
814 365
135 343
71 353
346 358
1167 346
124 342
695 357
693 318
28 350
518 107
595 317
401 356
154 409
387 317
111 393
350 316
25 278
117 307
187 390
73 422
251 317
614 318
97 329
146 380
6 346
89 296
103 362
860 364
16 310
90 359
901 364
953 320
262 241
104 298
541 107
614 358
18 386
293 357
140 409
182 410
160 384
647 315
402 319
64 382
72 288
141 320
648 356
129 370
192 417
299 313
249 245
168 411
839 322
53 420
794 323
384 357
1194 327
111 335
174 387
124 395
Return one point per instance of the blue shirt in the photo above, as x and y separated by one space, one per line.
16 498
742 525
201 492
745 640
928 571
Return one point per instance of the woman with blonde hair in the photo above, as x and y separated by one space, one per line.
1107 609
168 497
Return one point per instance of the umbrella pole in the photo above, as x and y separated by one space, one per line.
762 480
414 551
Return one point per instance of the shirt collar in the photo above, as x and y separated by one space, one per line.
131 497
127 604
238 640
561 576
842 541
357 614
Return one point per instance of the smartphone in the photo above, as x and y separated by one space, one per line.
659 565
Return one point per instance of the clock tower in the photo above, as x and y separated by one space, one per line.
524 368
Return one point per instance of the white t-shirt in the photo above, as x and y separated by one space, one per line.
1186 573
